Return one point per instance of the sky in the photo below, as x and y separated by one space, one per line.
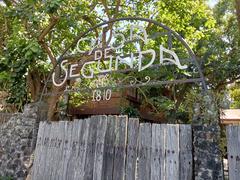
1 2
212 3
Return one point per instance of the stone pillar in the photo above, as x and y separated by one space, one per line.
39 111
206 141
15 146
17 141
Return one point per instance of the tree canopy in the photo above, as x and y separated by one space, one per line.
33 34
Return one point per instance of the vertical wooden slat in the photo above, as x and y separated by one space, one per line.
53 158
144 151
90 152
48 163
59 153
185 154
44 160
38 152
120 148
158 152
98 161
66 148
108 155
132 141
74 149
81 158
163 129
172 152
233 146
78 139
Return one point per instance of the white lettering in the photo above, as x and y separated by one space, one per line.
98 55
103 59
175 59
106 56
78 49
65 77
90 69
136 36
115 35
151 51
73 68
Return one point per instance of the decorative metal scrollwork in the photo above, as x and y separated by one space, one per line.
134 81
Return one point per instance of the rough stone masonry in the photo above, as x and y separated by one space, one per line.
206 136
16 144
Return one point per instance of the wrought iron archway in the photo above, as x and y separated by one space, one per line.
170 32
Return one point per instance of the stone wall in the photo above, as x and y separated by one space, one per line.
208 162
4 117
16 136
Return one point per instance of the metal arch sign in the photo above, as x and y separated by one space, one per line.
122 49
99 55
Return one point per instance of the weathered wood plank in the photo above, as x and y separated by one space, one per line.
59 152
77 144
108 155
98 161
90 152
38 152
74 150
47 150
158 152
144 151
107 148
233 144
163 129
44 160
48 163
172 152
81 158
63 146
53 157
132 141
66 148
185 154
120 147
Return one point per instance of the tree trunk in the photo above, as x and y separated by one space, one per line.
53 102
34 84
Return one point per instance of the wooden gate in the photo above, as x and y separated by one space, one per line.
233 146
112 148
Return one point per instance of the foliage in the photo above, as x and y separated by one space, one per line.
221 51
130 111
235 96
33 34
20 54
209 104
6 178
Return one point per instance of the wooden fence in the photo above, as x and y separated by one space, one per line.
112 148
233 144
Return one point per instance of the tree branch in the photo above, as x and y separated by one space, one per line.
222 84
90 21
117 8
7 2
49 52
104 2
53 21
47 49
